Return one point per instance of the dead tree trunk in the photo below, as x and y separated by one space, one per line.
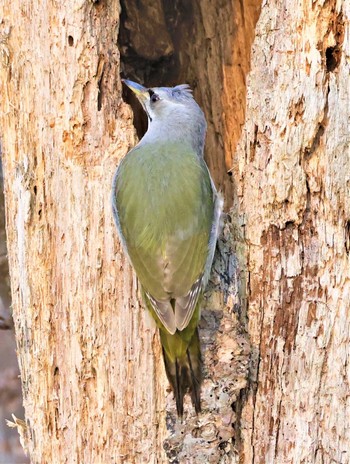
86 357
275 327
292 169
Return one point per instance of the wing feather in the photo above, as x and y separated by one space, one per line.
165 312
185 305
163 205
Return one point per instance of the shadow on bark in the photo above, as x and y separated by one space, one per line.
10 384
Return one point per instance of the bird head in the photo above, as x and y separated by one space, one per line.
162 102
172 112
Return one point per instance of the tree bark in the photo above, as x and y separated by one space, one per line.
292 171
275 325
86 357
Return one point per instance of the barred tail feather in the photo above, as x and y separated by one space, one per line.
185 374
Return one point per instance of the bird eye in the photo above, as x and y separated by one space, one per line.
153 96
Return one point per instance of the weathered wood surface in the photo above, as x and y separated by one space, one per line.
86 358
292 170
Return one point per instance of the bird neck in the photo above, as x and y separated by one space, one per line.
189 133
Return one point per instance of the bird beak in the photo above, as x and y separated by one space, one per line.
140 91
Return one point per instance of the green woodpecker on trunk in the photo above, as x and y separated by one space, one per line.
167 212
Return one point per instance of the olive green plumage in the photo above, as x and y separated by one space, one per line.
164 220
182 358
167 212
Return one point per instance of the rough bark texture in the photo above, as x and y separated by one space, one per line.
292 169
87 359
93 382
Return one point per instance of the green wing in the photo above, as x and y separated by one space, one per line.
164 207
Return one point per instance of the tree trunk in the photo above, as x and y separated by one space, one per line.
86 357
275 329
292 169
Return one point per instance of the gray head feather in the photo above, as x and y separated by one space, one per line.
182 91
175 116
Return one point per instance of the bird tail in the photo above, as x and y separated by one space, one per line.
183 366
